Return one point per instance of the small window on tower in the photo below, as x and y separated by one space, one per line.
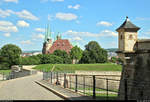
121 37
130 37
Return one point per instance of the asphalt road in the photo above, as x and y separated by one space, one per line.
25 89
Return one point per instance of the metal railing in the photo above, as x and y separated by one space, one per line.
91 85
13 75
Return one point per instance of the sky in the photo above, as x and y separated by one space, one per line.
23 22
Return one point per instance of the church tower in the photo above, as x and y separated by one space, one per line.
127 37
47 41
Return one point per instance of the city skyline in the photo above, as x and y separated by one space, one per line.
23 22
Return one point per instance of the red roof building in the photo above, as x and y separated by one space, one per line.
60 44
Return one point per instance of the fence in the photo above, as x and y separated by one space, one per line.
90 85
13 75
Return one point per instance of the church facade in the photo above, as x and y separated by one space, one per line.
59 44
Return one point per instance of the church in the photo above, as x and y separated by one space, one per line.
59 44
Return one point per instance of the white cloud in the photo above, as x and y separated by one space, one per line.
7 34
22 24
40 30
26 15
23 14
15 1
77 38
6 26
5 13
103 23
66 16
104 33
43 1
26 42
57 0
142 18
37 36
76 7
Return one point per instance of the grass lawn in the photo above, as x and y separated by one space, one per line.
5 71
73 67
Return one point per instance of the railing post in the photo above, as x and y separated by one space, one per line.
56 78
125 89
64 80
107 87
94 84
76 79
51 77
70 80
84 83
3 75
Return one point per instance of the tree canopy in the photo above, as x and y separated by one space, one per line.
93 53
11 54
76 53
63 54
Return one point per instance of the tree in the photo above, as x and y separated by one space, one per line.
51 59
113 59
93 53
31 60
3 63
63 54
11 53
76 53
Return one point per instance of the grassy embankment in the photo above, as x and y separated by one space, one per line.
85 67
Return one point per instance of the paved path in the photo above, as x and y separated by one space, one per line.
25 89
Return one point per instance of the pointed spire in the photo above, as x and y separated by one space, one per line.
45 35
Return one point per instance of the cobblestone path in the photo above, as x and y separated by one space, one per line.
25 89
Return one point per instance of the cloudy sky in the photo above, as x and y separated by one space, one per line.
23 22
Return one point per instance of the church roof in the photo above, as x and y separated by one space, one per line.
61 44
127 24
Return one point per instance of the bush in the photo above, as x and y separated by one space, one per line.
31 60
51 59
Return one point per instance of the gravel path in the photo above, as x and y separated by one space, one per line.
25 89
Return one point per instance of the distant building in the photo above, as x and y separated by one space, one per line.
26 54
60 44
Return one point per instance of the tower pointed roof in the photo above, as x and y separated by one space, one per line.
127 24
47 33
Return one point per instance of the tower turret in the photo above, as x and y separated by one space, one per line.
127 36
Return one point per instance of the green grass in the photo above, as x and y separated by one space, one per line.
85 67
5 71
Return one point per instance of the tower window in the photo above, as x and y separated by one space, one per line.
121 37
130 37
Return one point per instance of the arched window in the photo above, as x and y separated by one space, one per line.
121 37
130 37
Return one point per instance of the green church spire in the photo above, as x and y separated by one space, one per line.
47 33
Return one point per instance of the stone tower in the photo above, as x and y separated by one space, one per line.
127 37
135 53
47 41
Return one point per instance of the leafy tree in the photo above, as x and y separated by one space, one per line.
53 59
11 53
93 53
31 60
76 53
3 63
113 59
63 54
